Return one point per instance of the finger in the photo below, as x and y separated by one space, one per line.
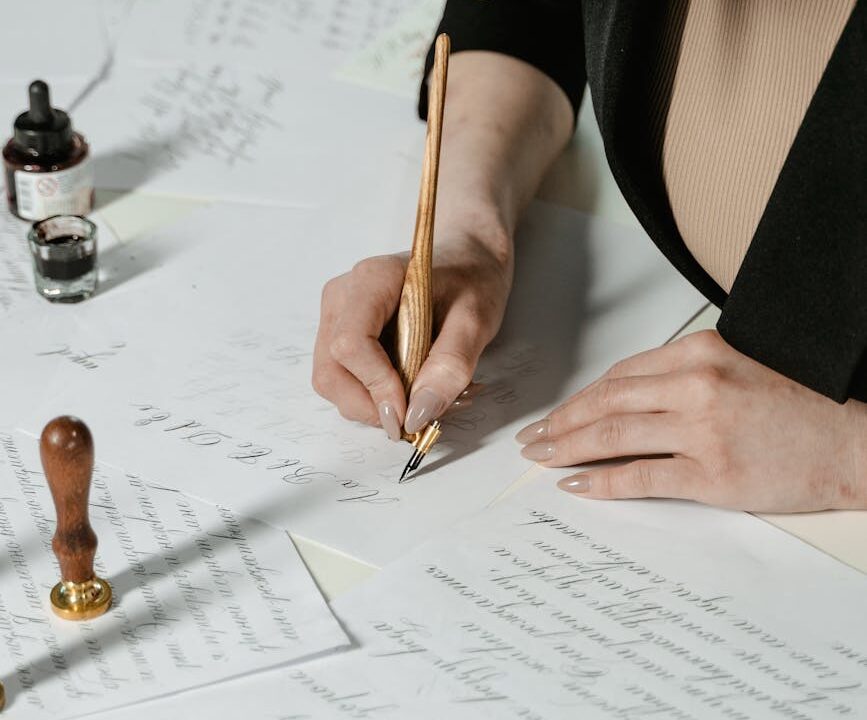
678 354
611 396
336 384
658 361
447 371
674 356
372 298
340 387
663 477
615 436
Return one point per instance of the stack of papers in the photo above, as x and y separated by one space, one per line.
293 123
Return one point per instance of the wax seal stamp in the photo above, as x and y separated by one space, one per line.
66 448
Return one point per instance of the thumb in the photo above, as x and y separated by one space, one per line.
445 374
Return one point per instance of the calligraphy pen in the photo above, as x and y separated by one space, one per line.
414 326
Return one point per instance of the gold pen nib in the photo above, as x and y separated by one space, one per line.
424 441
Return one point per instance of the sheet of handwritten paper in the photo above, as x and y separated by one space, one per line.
552 607
394 61
256 33
16 275
211 389
211 128
201 595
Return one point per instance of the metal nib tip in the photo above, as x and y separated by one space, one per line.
411 466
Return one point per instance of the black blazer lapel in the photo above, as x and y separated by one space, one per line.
799 302
620 43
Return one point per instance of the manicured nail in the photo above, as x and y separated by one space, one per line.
538 451
575 484
388 420
424 406
534 432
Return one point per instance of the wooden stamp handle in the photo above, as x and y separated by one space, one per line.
414 327
66 448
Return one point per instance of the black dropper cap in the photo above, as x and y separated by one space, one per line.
43 130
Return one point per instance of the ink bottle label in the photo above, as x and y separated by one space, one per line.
64 192
46 163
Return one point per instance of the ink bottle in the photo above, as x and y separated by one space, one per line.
47 163
64 258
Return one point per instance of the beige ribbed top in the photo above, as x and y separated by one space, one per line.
743 75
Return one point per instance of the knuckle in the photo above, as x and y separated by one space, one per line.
611 433
367 266
377 267
457 365
342 346
706 384
608 393
603 485
618 369
331 289
379 383
477 322
641 478
705 341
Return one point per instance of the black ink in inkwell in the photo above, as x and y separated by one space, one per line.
47 163
64 258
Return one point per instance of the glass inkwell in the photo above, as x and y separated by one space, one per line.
64 258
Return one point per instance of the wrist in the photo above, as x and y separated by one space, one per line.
853 493
478 229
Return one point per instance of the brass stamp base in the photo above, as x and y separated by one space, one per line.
81 601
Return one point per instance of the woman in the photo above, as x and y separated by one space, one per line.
738 135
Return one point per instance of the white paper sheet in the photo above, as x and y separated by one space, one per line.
214 129
547 606
16 275
394 61
200 595
52 40
211 391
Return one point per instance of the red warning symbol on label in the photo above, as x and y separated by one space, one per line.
46 186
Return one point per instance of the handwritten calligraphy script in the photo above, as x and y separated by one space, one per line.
548 607
82 358
261 457
201 595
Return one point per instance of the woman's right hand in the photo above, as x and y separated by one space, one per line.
505 122
352 369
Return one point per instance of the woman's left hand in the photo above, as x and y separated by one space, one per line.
719 428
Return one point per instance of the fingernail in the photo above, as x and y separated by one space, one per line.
538 451
388 420
424 406
534 432
575 484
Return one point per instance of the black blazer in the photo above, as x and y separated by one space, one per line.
799 303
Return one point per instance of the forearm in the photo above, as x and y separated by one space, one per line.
505 123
